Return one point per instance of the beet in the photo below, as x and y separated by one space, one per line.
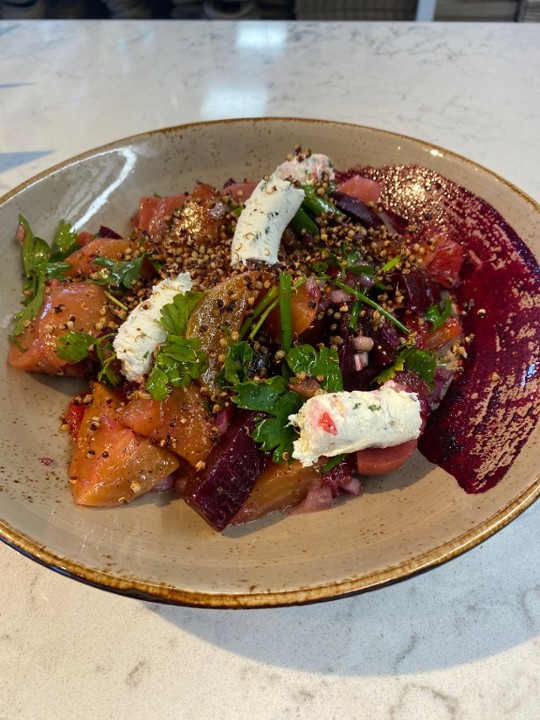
393 221
106 232
385 347
419 291
357 209
219 491
492 407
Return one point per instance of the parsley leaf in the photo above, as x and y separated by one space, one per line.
65 242
262 395
177 363
323 363
237 363
410 357
77 346
274 433
175 315
178 360
119 273
438 313
38 268
31 304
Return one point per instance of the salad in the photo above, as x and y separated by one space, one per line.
267 345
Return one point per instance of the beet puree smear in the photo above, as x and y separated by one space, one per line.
491 409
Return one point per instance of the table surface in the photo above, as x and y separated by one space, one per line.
459 642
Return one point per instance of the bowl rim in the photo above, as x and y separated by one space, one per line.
161 592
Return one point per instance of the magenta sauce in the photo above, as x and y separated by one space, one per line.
491 409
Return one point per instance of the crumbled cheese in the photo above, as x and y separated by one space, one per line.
334 423
142 332
271 207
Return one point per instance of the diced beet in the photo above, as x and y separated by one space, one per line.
385 345
340 475
106 232
412 382
233 466
445 266
393 221
443 377
418 290
357 209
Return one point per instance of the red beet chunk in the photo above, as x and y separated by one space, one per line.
492 407
418 289
233 466
357 209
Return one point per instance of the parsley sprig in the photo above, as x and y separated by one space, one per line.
273 397
77 346
322 364
178 360
273 432
41 262
438 313
119 273
410 357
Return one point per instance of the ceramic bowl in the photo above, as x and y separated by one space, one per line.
157 548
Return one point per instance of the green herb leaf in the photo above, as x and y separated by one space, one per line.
119 273
31 305
330 464
77 346
262 395
177 363
178 360
323 363
36 255
437 314
65 242
274 433
175 315
237 362
410 357
35 251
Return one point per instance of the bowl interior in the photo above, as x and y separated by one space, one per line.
157 547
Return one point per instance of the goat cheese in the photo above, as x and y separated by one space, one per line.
268 211
344 422
307 171
142 332
271 207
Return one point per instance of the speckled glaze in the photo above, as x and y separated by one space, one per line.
158 549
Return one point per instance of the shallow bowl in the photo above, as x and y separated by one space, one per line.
157 548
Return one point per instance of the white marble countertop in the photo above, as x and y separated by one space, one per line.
460 642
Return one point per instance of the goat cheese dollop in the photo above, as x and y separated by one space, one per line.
343 422
307 171
271 207
142 332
